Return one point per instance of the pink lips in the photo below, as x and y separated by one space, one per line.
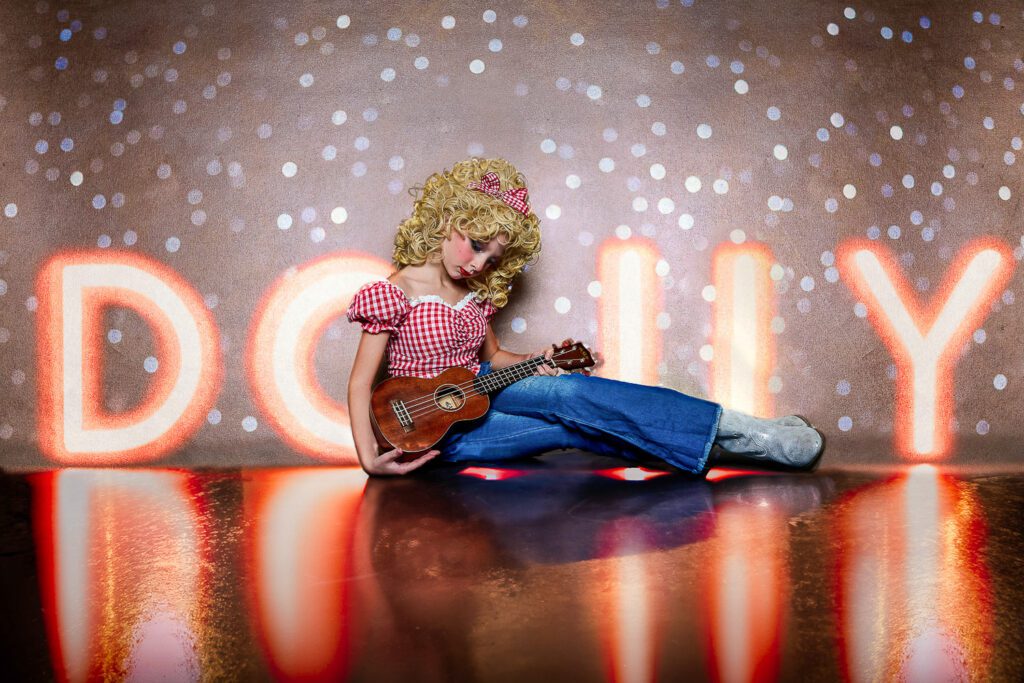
463 272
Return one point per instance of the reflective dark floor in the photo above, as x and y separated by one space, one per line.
575 570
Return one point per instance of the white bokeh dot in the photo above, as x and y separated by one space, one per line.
249 423
477 66
780 152
150 364
562 305
289 169
999 382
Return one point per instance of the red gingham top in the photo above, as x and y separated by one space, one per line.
428 335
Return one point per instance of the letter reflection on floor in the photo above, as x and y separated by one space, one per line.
299 556
631 629
913 594
745 590
121 574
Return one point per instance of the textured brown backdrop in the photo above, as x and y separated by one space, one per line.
167 129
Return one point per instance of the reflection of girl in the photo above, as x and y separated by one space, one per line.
428 560
471 232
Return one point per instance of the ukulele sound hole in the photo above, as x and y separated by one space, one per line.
449 397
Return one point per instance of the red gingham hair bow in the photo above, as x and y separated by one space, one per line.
516 198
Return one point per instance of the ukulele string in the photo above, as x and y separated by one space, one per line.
422 405
428 399
426 404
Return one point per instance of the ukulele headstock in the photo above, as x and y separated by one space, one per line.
573 357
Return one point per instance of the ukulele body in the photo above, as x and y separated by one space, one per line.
413 413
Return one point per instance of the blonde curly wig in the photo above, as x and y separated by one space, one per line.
445 203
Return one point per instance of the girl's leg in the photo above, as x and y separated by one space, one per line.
670 425
499 436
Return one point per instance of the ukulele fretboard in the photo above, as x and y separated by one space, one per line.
499 379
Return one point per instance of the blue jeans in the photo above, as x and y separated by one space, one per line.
603 416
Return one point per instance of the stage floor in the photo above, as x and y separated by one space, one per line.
564 569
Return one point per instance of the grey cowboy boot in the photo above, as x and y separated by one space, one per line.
751 439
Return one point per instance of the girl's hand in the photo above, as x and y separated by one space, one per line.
545 369
387 465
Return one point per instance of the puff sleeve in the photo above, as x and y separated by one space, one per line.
378 306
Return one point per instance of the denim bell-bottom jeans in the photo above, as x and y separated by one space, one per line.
603 416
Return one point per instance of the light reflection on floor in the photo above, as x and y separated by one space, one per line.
540 572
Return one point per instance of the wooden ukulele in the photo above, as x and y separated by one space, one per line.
413 413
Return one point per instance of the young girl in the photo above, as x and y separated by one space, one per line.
470 234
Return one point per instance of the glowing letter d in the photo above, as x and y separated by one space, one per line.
73 289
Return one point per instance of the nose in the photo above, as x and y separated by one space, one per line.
478 263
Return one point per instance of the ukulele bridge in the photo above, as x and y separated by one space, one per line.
402 413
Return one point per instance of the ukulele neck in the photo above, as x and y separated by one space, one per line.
499 379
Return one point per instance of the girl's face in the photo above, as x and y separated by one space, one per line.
464 257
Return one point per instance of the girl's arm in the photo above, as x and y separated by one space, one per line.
500 358
369 357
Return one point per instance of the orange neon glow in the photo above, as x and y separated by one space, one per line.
745 589
742 339
491 473
74 288
291 318
123 574
631 473
721 474
631 299
299 555
925 341
629 617
913 595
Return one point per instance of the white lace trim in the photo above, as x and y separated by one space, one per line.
413 301
435 298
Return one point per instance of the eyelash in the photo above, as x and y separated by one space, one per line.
478 247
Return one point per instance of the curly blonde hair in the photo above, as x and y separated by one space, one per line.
445 202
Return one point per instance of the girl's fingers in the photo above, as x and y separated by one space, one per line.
390 456
405 468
